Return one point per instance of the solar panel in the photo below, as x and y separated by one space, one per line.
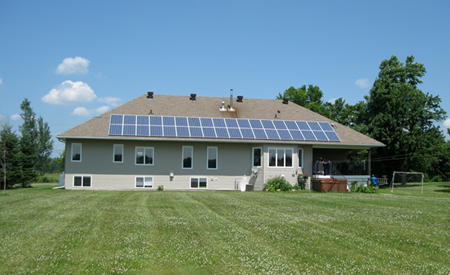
116 119
224 128
115 129
222 133
260 134
247 133
243 123
129 130
314 125
168 120
255 123
182 131
129 120
196 131
209 132
332 136
320 136
181 121
308 135
206 122
156 131
219 122
279 124
169 131
267 124
284 134
155 120
194 121
326 126
231 123
234 133
142 130
142 120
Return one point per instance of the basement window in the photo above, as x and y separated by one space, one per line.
82 181
199 183
144 182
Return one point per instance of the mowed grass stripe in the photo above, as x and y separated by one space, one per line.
93 232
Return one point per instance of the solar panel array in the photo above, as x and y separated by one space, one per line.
221 128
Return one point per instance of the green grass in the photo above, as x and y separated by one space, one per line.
48 231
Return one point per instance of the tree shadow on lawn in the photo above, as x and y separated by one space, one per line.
443 190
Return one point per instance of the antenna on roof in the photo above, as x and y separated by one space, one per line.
231 100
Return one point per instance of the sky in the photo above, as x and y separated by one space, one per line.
77 59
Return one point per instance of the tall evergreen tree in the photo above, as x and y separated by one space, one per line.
9 157
401 116
28 143
44 145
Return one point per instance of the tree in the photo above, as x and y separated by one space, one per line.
28 143
9 156
309 97
401 116
44 145
341 112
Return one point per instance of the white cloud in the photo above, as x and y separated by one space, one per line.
362 82
447 123
70 92
112 101
332 101
1 81
82 111
16 117
77 65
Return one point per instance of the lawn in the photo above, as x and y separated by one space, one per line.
46 231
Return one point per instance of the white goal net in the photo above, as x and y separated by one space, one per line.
407 179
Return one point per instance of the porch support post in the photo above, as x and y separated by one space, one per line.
370 162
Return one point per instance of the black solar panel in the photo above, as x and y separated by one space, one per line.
228 128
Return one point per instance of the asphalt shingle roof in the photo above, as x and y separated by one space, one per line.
171 105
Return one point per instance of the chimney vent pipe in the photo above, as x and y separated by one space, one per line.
240 98
193 97
231 100
149 95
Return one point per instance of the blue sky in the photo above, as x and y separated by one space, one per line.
76 59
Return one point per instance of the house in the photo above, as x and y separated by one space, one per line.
215 143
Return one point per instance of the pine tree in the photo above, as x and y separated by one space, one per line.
9 157
28 144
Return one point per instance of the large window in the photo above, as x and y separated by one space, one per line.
280 157
82 181
144 155
144 182
187 157
197 183
76 152
256 156
212 157
118 153
300 157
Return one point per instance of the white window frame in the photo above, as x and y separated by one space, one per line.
114 153
144 178
198 182
284 157
260 156
72 150
145 150
82 180
300 157
207 157
192 157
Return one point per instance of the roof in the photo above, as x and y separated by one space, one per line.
183 106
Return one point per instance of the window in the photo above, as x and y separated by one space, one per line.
82 181
187 157
144 155
256 156
300 157
280 157
76 152
144 182
212 157
118 153
197 183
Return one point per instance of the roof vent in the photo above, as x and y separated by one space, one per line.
223 107
231 101
240 98
286 100
150 95
193 97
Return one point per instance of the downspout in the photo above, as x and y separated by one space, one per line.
370 163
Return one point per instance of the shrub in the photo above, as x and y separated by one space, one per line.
277 183
160 188
364 189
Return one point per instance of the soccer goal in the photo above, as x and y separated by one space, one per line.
407 179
